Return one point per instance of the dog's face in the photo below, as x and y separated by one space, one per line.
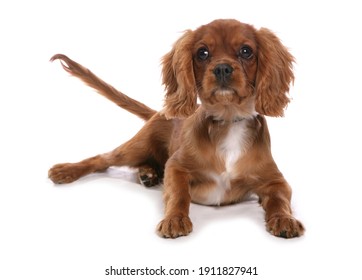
225 64
228 65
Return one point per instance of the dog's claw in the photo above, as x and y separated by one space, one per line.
283 234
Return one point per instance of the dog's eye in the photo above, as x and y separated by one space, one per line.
246 52
203 53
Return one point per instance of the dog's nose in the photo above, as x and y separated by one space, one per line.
223 72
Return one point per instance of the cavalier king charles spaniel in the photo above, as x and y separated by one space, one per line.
216 152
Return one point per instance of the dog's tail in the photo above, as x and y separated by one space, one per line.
122 100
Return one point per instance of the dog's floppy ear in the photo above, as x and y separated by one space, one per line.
179 80
274 74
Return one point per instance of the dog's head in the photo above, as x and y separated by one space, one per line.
228 65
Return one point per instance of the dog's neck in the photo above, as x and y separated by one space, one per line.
228 115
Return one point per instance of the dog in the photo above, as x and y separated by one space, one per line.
214 153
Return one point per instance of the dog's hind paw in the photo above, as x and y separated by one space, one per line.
65 173
148 177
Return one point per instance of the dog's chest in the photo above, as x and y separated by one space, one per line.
234 144
229 151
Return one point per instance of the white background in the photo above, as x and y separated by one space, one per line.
79 230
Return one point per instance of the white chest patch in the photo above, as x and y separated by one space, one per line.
230 150
234 145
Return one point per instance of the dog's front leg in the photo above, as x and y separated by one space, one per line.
275 199
177 203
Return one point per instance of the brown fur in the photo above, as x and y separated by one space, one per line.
194 145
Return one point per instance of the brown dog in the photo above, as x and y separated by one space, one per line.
215 153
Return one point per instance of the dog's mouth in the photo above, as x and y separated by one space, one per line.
224 94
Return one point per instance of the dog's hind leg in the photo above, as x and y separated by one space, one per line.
63 173
129 154
145 150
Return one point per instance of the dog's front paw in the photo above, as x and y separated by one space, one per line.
64 173
285 226
175 226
